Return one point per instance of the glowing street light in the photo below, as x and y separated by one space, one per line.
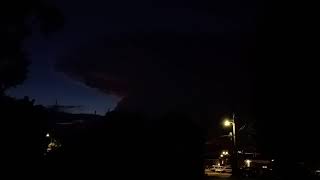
227 123
225 152
221 155
47 135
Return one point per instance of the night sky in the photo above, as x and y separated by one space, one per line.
44 83
158 53
204 58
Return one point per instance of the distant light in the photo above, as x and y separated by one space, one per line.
239 152
272 160
225 152
47 135
264 167
248 162
218 164
221 155
227 123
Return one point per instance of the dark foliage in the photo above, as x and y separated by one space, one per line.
126 146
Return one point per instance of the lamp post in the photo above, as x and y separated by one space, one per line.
228 123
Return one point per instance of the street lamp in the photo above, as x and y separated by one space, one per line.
225 153
227 123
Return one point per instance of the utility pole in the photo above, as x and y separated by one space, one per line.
235 170
234 142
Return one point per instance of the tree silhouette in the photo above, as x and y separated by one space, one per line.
17 21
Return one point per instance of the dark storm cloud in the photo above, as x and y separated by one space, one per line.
165 69
157 64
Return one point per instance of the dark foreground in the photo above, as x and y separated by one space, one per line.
256 178
232 178
228 177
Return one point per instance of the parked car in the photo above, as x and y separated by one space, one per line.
227 169
249 172
316 172
217 168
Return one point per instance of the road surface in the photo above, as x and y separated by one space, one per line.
227 176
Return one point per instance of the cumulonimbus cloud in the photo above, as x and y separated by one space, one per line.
165 70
